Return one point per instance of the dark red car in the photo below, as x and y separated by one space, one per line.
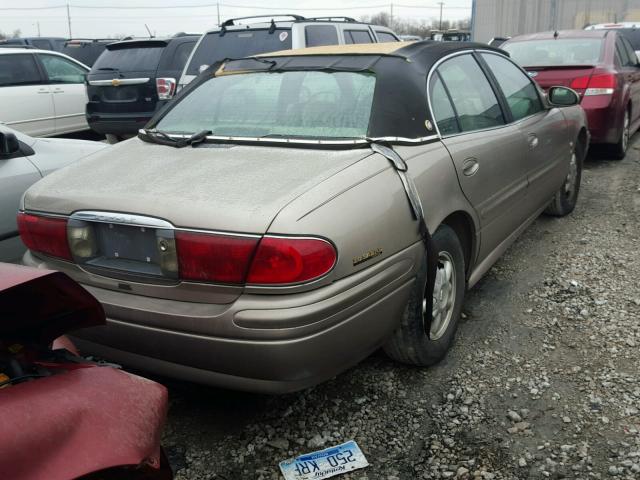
601 65
64 417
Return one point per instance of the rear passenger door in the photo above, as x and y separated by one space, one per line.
487 153
548 149
66 79
353 34
26 102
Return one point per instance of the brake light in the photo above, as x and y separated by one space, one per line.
580 83
281 260
44 235
214 258
602 84
166 88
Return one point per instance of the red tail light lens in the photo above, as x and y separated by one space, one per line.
603 84
580 83
166 88
214 258
44 235
291 260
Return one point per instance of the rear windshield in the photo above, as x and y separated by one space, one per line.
237 44
567 51
130 59
310 104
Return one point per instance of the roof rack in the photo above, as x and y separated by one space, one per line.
332 19
17 45
231 21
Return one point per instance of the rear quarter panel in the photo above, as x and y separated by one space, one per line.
364 208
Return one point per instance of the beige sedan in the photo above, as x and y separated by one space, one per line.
289 214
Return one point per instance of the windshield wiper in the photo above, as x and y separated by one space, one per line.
162 138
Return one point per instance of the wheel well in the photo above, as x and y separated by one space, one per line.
582 141
462 224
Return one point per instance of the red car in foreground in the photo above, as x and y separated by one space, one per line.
601 65
64 417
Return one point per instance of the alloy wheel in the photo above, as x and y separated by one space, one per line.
444 296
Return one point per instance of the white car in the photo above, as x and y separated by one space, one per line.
23 161
246 36
42 93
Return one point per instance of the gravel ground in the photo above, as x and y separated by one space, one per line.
543 381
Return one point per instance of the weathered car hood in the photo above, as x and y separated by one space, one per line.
223 187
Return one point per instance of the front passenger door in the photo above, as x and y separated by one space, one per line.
487 153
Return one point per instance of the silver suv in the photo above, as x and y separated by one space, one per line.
239 37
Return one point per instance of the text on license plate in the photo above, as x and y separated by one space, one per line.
324 463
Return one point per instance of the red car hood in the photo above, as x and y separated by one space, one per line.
37 306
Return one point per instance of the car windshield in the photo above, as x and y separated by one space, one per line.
237 44
311 104
559 52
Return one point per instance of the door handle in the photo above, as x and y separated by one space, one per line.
533 140
43 90
58 90
470 166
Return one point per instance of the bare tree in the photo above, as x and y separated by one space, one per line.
16 33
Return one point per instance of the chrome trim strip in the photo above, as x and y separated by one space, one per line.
119 81
121 219
217 232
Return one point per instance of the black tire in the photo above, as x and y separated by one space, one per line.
565 199
410 343
112 139
619 150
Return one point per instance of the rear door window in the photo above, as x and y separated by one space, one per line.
319 35
622 54
471 93
357 36
129 59
518 88
386 37
19 70
61 70
633 57
443 112
237 44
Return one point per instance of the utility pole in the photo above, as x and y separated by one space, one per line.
218 9
441 5
69 21
38 25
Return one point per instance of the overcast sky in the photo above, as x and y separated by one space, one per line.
94 21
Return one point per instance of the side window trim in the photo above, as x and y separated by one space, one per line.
497 91
453 106
494 83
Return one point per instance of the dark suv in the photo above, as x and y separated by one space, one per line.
132 79
42 43
86 50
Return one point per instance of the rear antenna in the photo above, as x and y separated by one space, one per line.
148 30
555 34
272 28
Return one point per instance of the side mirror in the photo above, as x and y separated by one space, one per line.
8 144
562 97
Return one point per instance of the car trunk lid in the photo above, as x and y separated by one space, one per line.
561 75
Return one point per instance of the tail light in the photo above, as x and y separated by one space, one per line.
44 235
166 88
281 260
214 258
597 84
194 256
603 84
270 261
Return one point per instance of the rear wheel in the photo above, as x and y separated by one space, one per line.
565 199
410 343
619 150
